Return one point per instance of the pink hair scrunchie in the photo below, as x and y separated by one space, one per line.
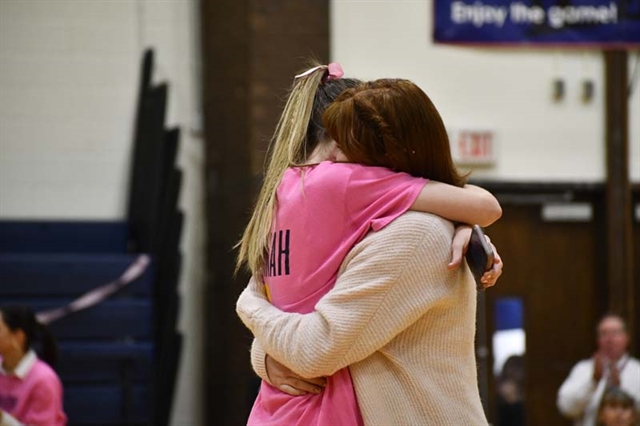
334 72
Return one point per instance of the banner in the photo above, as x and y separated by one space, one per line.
578 23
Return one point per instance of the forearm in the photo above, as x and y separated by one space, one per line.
276 333
470 204
575 393
258 360
484 207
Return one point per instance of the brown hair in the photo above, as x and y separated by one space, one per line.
297 134
392 123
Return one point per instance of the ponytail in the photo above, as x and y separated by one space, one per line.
297 134
48 346
289 147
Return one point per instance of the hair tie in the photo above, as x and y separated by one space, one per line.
334 72
309 71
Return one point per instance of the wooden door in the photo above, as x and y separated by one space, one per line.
555 267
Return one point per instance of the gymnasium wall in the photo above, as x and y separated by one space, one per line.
507 91
68 90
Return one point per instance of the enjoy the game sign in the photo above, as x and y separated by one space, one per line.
598 23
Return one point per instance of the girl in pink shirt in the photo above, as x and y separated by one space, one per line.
323 209
30 390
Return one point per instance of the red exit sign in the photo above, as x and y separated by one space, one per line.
473 147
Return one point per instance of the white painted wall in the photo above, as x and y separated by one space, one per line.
507 91
68 89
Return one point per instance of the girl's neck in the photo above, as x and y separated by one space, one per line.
319 156
326 151
11 360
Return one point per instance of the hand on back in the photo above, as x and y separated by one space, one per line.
289 382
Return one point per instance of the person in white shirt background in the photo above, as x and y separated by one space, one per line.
611 366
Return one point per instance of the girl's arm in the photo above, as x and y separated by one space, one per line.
469 204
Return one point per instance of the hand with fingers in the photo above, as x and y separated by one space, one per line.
599 364
289 382
459 248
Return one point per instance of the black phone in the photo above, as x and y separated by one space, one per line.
479 254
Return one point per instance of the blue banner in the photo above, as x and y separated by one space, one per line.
597 23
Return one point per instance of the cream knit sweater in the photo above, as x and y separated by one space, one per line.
401 321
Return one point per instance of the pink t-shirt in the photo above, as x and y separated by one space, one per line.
33 395
322 212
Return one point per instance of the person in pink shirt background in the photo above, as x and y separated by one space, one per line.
30 390
326 205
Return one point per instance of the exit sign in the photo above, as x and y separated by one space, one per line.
473 147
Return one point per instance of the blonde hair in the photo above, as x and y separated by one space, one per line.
288 147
